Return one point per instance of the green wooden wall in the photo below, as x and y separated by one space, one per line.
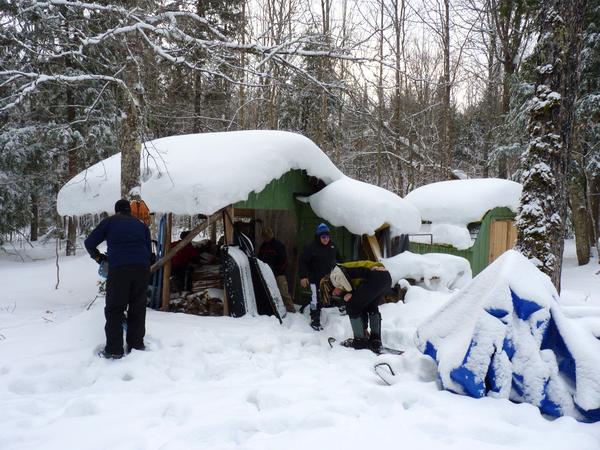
478 254
279 194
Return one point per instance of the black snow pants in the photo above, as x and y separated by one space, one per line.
365 298
126 291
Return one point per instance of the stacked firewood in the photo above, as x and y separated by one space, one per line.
205 277
198 303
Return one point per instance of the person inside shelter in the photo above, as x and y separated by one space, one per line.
182 264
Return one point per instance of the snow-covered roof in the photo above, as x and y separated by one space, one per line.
198 173
451 205
464 201
202 173
362 208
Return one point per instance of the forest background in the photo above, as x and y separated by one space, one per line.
398 93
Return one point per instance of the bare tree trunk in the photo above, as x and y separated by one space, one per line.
242 88
130 146
580 215
446 157
399 16
325 75
380 98
35 223
72 171
593 195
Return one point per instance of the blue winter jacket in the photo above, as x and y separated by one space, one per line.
127 239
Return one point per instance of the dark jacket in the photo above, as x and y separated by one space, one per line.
369 286
317 260
127 239
273 253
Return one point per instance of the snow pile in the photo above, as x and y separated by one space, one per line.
198 173
363 208
223 383
504 335
437 271
450 206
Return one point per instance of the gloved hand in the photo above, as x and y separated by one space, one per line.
100 258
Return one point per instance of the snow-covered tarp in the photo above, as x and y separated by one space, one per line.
362 208
449 206
202 173
436 271
504 335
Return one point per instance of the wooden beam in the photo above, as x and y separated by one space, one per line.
228 228
166 285
185 241
228 224
373 246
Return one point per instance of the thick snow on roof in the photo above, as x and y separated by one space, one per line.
451 205
199 173
461 202
362 208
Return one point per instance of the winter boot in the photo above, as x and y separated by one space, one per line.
105 355
375 338
356 344
359 341
315 319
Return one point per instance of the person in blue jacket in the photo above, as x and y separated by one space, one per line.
128 254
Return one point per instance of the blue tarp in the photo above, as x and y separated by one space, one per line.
495 338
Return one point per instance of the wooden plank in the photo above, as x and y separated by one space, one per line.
512 234
373 247
228 218
166 287
499 238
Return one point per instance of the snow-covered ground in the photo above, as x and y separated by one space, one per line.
249 383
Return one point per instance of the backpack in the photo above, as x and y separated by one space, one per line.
140 210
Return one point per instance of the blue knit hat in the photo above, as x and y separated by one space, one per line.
322 229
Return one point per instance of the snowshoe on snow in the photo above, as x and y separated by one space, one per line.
366 343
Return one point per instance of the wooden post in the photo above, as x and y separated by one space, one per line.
228 229
228 224
166 288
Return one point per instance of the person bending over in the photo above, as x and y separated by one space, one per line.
362 285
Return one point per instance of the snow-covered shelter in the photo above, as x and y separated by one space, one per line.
472 218
249 179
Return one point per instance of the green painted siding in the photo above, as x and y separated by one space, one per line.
278 194
478 254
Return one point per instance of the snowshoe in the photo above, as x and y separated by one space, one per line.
359 344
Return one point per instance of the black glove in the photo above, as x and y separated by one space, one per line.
100 258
